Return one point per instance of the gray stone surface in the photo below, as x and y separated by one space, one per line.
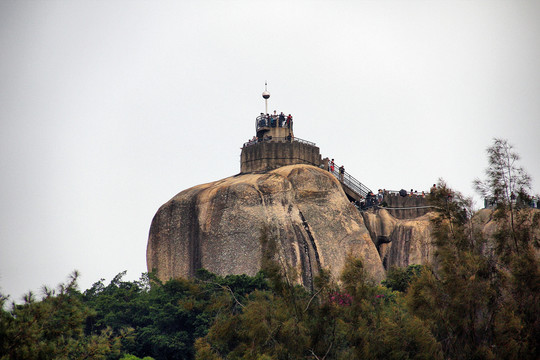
269 155
217 226
400 242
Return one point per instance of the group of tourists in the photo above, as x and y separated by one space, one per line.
379 199
274 120
373 200
369 201
412 193
332 168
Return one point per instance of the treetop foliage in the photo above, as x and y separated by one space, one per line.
504 177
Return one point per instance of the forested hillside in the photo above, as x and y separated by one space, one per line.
480 299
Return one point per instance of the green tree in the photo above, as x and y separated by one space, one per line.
133 357
378 326
164 318
399 279
479 303
516 240
355 321
53 328
463 296
507 185
504 176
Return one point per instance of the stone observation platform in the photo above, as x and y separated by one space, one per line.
286 186
275 145
269 155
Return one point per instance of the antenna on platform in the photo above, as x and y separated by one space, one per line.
265 96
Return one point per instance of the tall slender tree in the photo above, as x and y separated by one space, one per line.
506 185
504 176
481 298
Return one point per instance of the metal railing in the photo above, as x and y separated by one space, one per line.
304 141
279 139
414 193
267 121
271 121
351 182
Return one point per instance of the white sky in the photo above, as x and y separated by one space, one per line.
110 108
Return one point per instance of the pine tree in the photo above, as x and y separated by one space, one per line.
53 328
517 240
504 176
356 320
507 186
481 297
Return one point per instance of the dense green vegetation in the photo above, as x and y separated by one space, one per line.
124 319
479 300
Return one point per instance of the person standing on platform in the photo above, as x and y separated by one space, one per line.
380 196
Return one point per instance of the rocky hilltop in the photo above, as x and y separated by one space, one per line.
217 226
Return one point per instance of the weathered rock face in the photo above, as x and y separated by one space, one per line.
217 226
264 156
401 242
525 218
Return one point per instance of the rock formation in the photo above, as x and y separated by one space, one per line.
401 242
217 226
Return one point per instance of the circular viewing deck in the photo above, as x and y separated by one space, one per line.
266 122
273 127
275 145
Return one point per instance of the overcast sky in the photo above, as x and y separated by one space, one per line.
110 108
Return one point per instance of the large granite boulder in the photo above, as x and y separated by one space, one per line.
217 226
401 242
